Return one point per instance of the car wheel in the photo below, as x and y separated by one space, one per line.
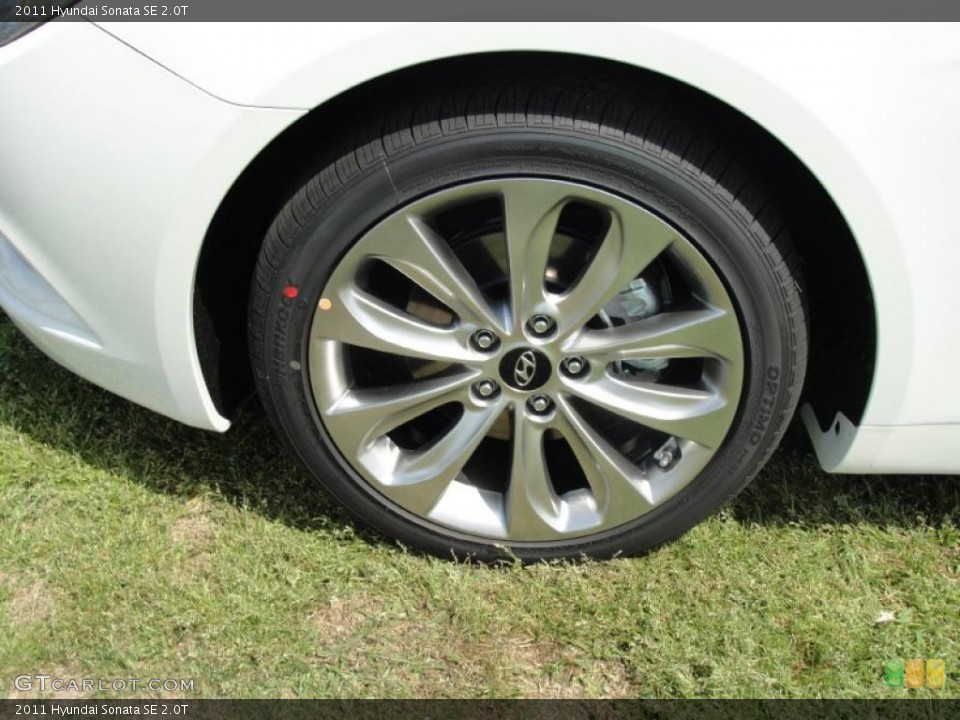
534 321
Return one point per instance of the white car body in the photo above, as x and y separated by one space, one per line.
119 141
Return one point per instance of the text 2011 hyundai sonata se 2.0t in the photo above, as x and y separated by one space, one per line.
547 290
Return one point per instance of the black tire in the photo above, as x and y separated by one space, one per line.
639 148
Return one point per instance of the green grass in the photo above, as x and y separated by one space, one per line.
131 546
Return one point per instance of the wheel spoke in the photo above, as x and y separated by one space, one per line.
410 246
360 416
702 416
532 507
708 332
357 318
421 478
531 211
633 241
620 490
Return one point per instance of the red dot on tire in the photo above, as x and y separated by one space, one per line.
291 291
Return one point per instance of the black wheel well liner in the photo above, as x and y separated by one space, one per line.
839 297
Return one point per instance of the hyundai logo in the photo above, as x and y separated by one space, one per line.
525 369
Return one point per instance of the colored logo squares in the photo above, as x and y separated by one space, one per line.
914 673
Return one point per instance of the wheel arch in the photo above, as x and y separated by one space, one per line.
843 346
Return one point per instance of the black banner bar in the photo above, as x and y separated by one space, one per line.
513 10
487 709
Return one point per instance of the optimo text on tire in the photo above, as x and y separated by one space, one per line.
530 319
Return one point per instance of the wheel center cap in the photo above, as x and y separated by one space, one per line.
525 369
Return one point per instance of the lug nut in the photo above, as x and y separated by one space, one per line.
541 325
574 366
484 340
485 388
664 458
540 404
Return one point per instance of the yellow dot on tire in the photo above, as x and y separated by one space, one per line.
325 304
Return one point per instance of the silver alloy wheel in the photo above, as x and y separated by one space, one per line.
432 332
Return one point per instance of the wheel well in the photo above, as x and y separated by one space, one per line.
841 311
